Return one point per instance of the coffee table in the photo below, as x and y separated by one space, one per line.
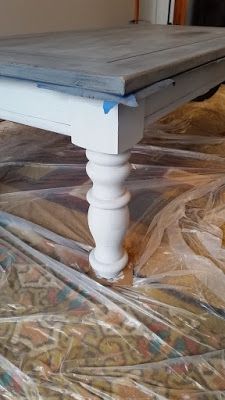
102 87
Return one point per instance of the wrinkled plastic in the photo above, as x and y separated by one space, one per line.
64 335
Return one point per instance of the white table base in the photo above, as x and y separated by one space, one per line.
108 215
107 139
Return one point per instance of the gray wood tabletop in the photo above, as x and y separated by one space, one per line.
118 61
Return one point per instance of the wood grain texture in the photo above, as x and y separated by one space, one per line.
118 61
180 12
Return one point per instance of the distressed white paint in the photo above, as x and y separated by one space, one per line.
81 118
108 214
104 135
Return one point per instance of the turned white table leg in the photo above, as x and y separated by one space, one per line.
108 215
107 136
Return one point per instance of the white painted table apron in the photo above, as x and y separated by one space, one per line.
108 137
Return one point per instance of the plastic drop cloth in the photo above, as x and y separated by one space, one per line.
65 336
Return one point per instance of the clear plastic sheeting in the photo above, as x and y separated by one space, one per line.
64 335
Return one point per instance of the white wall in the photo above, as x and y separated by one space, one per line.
156 11
148 10
29 16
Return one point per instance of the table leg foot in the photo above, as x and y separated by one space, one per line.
108 215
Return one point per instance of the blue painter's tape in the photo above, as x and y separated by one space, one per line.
110 100
109 105
130 101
